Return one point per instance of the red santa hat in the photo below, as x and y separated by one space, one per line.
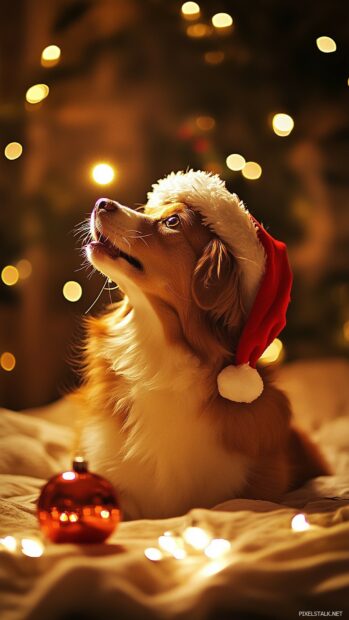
266 277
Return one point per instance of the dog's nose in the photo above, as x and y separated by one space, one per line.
106 204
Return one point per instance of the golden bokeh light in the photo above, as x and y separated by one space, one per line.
32 547
273 353
24 268
72 291
251 170
196 537
13 150
282 124
326 44
190 10
235 162
37 93
205 123
103 173
196 31
217 547
10 275
222 20
153 554
299 523
214 58
50 56
7 361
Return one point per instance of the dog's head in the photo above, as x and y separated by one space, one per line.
176 261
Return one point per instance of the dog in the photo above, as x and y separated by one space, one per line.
155 423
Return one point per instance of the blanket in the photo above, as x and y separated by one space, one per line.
270 571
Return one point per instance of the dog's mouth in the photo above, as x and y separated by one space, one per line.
105 245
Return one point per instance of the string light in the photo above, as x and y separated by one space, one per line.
196 537
32 547
214 58
13 150
10 275
7 361
282 124
103 173
222 20
9 542
217 547
190 10
37 93
272 353
251 171
197 31
327 45
299 523
24 268
50 56
235 162
72 291
153 554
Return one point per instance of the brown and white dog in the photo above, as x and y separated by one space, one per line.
155 422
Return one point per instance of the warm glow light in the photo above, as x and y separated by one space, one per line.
73 517
217 547
7 361
50 56
283 124
172 544
9 275
69 475
326 45
105 514
37 93
72 291
13 150
214 58
235 162
299 523
9 542
196 31
205 123
103 173
63 517
32 548
346 330
196 537
179 554
272 353
24 268
190 10
251 171
222 20
153 554
212 568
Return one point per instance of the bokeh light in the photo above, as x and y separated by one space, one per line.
103 173
222 20
299 523
153 554
196 31
13 150
214 58
272 353
205 123
37 93
326 44
50 56
235 162
7 361
72 291
190 10
282 124
251 170
32 547
10 275
24 268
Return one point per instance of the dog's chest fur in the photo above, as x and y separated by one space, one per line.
167 457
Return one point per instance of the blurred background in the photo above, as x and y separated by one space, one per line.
103 97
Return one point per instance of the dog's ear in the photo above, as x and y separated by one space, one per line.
216 284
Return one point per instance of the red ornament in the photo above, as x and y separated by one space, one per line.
78 507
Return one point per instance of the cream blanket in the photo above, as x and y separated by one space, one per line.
270 572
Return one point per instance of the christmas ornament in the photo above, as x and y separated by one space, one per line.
265 274
77 506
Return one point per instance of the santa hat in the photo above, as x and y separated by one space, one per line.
266 277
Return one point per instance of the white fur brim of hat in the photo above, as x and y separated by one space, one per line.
224 213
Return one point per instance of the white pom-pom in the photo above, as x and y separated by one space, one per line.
241 384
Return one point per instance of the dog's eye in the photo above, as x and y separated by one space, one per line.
172 221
